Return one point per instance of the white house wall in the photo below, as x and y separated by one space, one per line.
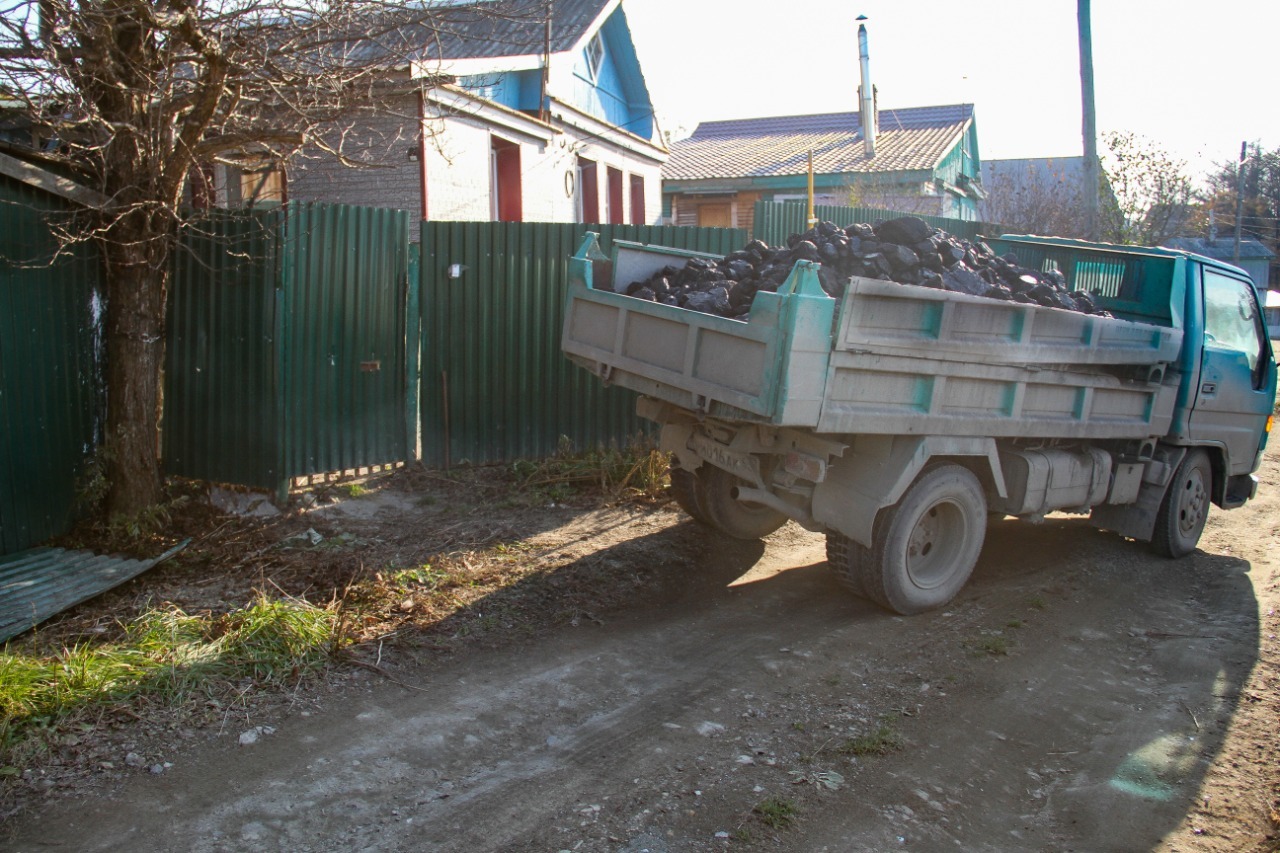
459 178
459 132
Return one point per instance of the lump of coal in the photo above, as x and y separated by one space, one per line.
962 280
904 231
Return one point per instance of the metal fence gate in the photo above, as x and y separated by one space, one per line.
287 347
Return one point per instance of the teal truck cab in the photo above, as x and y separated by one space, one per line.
898 419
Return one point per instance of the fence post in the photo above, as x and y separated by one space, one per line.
413 352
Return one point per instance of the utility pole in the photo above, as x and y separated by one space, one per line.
1244 152
1089 123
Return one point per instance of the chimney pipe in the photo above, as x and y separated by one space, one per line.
868 105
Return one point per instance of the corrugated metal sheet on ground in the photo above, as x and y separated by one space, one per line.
776 220
43 582
495 386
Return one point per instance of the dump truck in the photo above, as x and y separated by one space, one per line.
900 420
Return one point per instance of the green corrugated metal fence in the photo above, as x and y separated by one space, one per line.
221 419
776 220
50 385
286 351
495 385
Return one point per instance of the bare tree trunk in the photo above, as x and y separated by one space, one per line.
138 284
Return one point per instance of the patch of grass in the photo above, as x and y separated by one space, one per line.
883 740
638 470
163 654
353 490
775 812
424 576
798 726
1037 603
1014 623
742 835
995 645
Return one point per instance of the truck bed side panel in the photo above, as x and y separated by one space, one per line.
900 319
872 393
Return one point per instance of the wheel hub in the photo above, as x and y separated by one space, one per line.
931 548
1193 505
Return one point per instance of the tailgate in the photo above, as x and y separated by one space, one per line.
771 369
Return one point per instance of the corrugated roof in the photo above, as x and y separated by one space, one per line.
908 140
1223 248
42 582
484 30
1034 171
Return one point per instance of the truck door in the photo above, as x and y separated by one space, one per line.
1237 381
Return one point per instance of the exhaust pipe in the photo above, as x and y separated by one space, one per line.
868 105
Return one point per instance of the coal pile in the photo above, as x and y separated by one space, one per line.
905 250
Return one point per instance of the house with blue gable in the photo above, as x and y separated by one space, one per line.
511 110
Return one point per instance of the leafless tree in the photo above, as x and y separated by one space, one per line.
1153 196
133 95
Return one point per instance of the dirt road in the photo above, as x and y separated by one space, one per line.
1081 694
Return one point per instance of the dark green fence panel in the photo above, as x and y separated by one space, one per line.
51 392
776 220
495 386
345 274
286 351
222 415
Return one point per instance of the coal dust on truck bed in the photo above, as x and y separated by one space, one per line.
894 387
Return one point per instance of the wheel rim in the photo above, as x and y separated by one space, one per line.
1194 503
933 548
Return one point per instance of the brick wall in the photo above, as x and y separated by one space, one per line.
387 177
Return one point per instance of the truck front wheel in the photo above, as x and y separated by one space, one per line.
1185 507
739 519
925 546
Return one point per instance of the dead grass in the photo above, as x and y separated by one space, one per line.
249 602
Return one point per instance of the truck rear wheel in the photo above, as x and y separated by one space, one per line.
1185 507
847 558
925 546
684 489
739 519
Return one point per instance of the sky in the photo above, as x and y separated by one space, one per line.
1197 79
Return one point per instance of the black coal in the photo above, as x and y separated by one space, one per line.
905 250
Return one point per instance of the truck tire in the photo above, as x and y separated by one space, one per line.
1185 506
925 546
739 519
684 489
847 559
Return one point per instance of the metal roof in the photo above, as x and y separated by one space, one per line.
911 139
1034 171
1223 248
481 30
43 582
